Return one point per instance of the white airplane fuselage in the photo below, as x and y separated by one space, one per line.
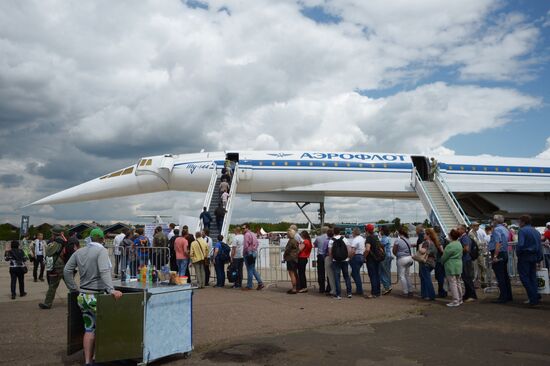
523 185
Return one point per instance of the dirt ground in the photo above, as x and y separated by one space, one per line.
271 327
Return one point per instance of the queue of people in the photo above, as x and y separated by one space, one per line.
459 269
454 259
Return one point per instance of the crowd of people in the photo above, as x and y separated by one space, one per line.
459 261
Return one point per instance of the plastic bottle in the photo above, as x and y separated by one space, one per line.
128 276
143 274
149 272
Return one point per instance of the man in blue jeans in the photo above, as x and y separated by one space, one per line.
357 259
250 251
340 265
498 247
219 263
373 267
529 252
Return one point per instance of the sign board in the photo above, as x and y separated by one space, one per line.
24 228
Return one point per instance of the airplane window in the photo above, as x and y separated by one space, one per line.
115 174
310 164
361 165
273 163
496 169
149 162
298 163
105 176
128 170
142 163
286 162
542 170
261 163
335 164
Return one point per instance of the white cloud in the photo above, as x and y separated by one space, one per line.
546 153
87 89
415 121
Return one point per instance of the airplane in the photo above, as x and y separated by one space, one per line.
453 189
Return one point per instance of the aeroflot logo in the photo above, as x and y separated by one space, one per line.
348 156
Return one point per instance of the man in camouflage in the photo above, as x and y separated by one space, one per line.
56 254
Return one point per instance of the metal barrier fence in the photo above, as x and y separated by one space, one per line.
131 259
273 270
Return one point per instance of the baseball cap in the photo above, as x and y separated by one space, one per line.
57 229
97 232
369 228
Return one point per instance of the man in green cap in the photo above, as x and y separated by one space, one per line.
56 256
94 267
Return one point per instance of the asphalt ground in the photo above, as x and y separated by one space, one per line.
270 327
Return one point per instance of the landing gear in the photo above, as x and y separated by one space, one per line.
321 213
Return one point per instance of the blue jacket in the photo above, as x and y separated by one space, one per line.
528 241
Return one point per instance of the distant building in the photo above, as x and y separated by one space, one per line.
115 229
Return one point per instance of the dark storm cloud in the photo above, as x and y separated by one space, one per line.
10 180
175 142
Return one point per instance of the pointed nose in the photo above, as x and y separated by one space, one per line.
121 183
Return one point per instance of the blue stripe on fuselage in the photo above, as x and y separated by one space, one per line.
331 165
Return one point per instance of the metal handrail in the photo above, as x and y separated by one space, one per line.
418 181
229 207
453 198
209 193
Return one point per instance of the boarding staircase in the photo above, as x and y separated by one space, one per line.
439 202
213 198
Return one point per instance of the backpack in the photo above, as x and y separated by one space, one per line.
231 273
339 250
377 251
224 254
474 250
68 249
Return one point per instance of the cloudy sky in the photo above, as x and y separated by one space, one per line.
89 87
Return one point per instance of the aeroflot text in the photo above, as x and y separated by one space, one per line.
348 156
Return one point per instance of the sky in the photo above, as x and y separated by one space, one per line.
88 88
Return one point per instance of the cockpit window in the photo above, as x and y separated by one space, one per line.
115 174
128 170
149 162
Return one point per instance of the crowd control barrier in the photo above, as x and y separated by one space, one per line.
132 258
272 267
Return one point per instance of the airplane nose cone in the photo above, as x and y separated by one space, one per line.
113 185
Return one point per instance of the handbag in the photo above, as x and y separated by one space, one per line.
25 269
421 255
